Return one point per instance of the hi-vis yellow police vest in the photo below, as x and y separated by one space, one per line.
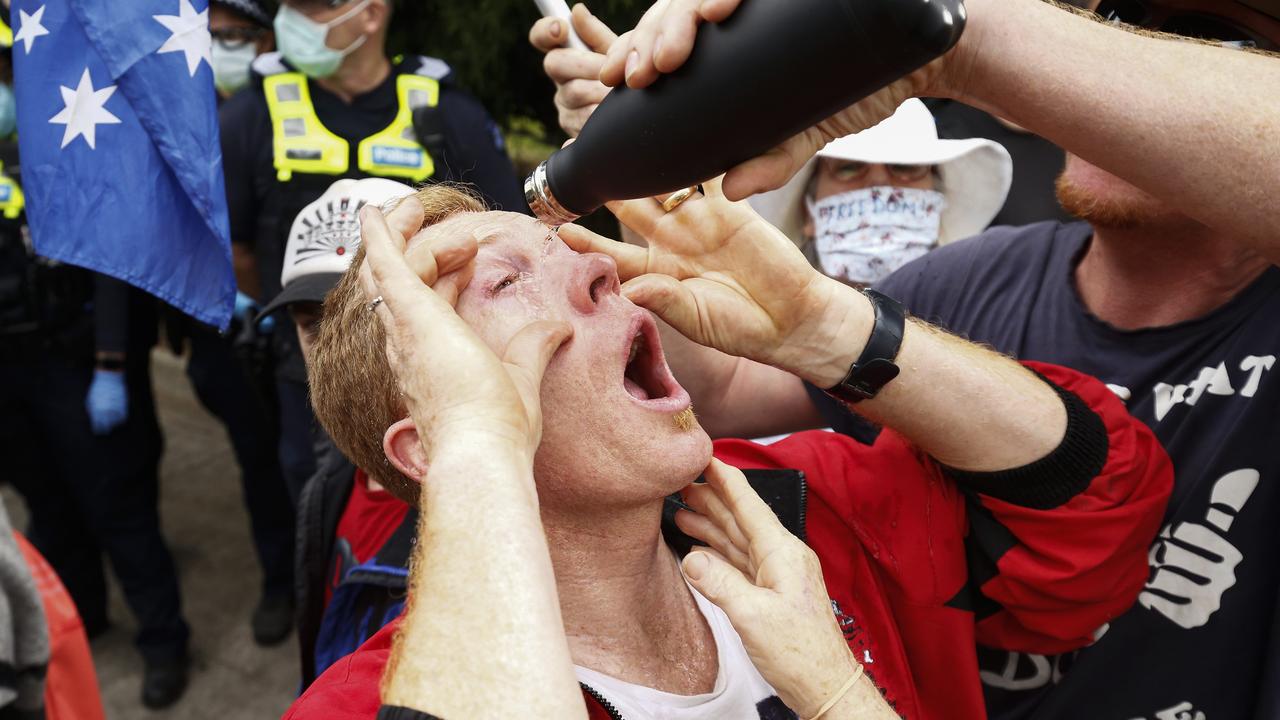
302 144
12 201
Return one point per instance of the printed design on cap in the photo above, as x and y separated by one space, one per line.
332 229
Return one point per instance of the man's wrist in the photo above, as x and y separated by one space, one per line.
818 689
482 440
488 445
833 337
957 80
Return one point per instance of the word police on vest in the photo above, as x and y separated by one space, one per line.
402 157
325 236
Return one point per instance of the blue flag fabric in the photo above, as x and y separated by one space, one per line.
118 134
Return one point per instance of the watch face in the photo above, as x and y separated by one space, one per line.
875 375
866 382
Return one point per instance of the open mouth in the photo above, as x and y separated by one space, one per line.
646 376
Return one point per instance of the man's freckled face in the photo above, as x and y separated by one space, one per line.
525 273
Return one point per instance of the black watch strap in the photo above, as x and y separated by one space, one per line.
875 367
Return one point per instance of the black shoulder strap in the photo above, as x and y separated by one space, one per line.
429 127
784 491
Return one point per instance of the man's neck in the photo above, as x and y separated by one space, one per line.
626 608
360 72
1158 276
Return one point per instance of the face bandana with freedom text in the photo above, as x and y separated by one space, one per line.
862 236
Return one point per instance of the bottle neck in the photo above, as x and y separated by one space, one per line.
543 202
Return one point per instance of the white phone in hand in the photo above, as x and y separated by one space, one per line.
560 9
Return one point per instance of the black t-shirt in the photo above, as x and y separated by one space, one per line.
1194 645
262 208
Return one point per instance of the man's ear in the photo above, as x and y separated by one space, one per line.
378 14
404 449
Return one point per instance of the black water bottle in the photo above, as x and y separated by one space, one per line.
768 72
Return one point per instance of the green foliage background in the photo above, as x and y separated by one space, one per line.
486 42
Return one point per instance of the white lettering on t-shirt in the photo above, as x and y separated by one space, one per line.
1212 380
1255 365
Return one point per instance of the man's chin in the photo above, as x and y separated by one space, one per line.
1113 205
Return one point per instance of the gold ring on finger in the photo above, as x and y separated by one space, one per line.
673 201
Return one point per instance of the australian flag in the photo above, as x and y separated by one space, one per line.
118 134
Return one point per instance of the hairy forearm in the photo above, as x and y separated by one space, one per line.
968 407
1195 125
482 635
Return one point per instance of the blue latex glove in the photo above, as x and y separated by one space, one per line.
107 402
247 310
246 307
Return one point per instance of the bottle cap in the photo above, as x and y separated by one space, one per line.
543 203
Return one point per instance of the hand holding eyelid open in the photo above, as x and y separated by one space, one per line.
719 274
452 381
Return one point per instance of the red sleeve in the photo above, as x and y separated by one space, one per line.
1076 566
1039 577
889 498
349 689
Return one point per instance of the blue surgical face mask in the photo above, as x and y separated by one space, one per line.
8 111
302 41
231 65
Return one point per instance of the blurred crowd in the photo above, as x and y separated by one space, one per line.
986 419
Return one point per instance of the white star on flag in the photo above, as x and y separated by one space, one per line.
84 111
30 28
190 35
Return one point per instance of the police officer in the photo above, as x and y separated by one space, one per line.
331 104
78 428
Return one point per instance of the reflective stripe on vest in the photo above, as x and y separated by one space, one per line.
12 201
395 151
301 143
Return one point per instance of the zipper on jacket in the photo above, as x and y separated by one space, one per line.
608 706
804 507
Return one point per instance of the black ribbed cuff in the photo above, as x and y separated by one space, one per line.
390 712
1057 477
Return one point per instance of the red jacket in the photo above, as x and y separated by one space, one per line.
922 571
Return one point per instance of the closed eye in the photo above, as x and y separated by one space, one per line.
504 283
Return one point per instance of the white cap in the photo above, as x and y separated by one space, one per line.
325 237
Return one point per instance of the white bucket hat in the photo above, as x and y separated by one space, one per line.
976 173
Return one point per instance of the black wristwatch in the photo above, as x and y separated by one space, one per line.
875 367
